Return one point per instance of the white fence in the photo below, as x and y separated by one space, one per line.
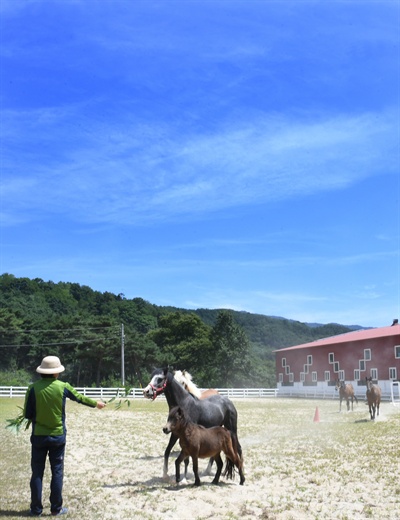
137 393
390 391
391 394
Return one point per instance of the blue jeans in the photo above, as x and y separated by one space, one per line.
41 447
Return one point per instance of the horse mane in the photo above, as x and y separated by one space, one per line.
185 379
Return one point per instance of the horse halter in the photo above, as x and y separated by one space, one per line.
158 390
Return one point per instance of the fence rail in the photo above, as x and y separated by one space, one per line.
137 393
233 393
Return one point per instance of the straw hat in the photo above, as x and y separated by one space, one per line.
50 365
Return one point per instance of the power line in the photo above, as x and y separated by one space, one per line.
59 330
58 343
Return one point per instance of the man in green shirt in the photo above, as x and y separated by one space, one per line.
45 407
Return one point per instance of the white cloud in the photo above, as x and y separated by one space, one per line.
146 174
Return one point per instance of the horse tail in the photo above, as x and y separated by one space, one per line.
229 471
230 423
236 444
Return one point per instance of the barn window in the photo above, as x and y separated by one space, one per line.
327 375
336 367
281 378
341 375
309 360
331 358
291 377
306 369
362 365
367 354
397 351
356 375
302 377
314 377
393 373
374 373
283 361
287 369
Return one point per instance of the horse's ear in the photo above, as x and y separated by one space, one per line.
165 370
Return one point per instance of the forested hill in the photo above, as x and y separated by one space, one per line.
274 332
219 347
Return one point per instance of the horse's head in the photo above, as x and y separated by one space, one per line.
368 383
176 419
339 384
158 382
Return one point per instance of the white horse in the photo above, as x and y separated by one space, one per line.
185 379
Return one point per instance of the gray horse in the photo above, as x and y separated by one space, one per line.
216 410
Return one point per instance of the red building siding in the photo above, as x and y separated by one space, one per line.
350 357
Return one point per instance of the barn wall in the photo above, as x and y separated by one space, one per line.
308 366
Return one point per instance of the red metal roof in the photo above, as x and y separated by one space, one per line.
347 337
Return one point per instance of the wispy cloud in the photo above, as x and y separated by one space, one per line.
142 172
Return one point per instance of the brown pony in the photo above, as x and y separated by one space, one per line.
374 394
199 442
185 379
346 392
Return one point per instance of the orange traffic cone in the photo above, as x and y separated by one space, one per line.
316 415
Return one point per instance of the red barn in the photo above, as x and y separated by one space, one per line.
313 368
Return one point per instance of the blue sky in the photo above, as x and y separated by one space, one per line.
216 154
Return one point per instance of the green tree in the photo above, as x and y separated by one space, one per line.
184 342
231 351
10 335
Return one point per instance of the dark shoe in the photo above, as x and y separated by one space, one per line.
62 511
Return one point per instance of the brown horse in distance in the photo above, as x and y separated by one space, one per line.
199 442
374 395
346 391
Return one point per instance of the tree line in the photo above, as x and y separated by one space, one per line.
220 348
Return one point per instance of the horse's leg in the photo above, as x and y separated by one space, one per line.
186 462
219 464
239 464
348 404
209 466
178 461
195 461
171 444
241 474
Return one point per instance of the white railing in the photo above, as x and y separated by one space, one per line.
326 393
109 393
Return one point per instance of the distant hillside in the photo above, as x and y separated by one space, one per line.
83 326
267 333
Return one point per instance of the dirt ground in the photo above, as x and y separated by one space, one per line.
342 467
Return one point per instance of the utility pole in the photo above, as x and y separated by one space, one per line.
122 355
